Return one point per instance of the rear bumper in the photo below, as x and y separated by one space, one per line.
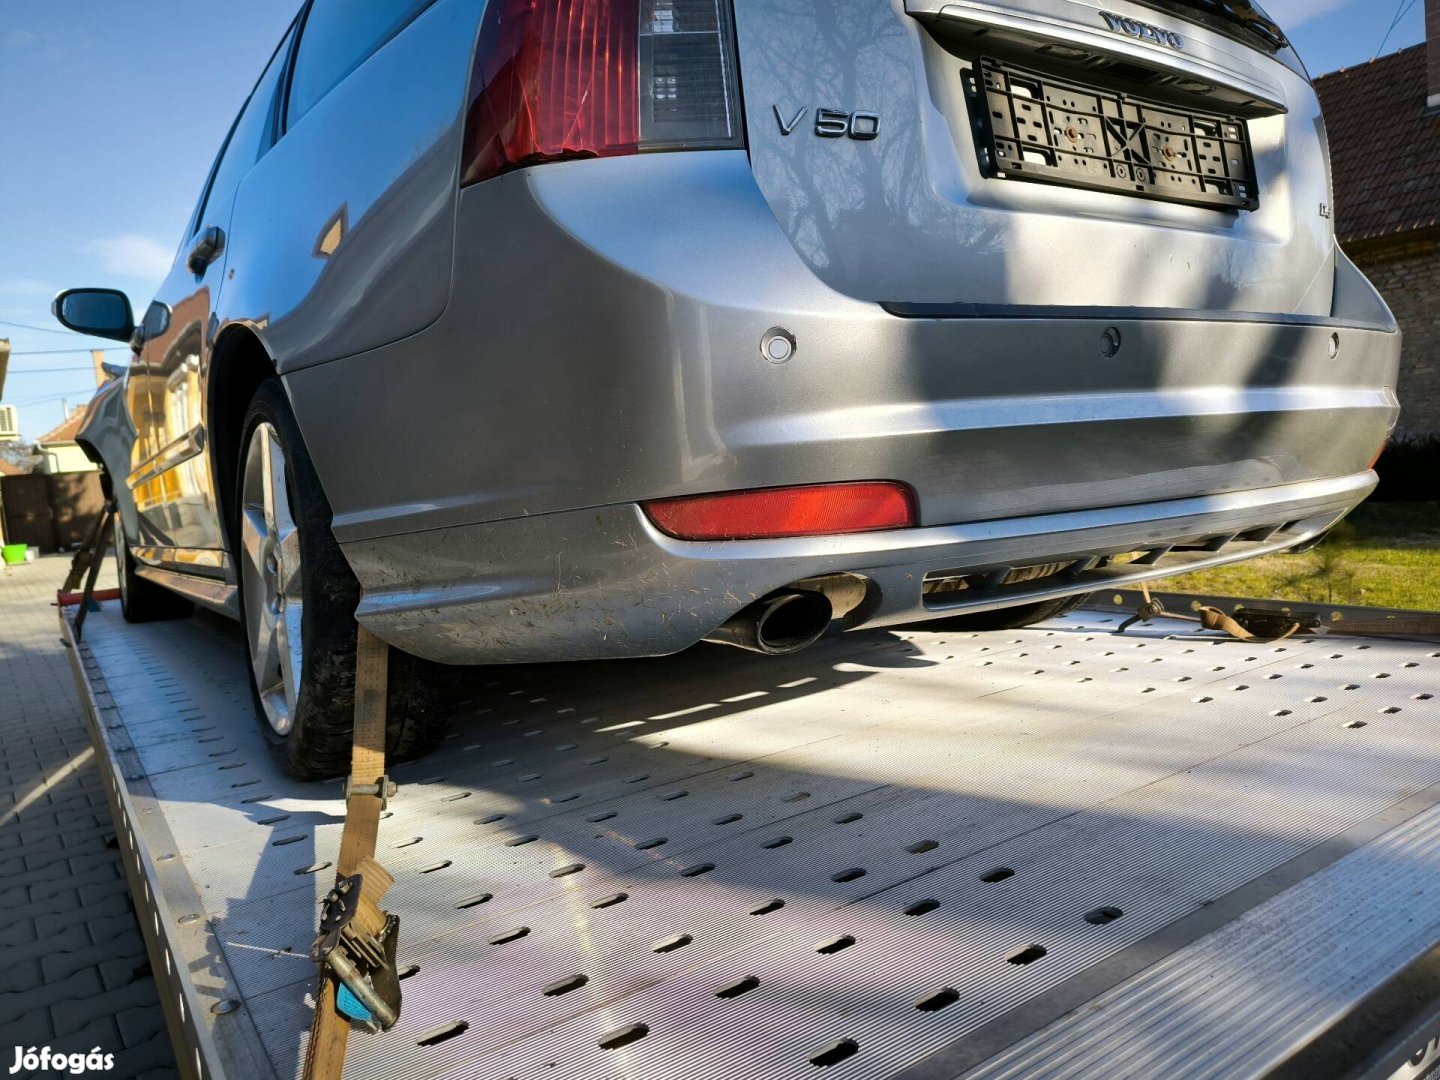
601 583
604 347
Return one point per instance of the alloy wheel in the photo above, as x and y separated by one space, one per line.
270 577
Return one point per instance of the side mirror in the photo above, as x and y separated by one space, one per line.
98 312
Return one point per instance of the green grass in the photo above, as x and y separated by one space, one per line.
1383 555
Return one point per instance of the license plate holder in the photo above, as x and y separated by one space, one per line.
1043 129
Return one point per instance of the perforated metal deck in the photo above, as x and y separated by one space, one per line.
916 853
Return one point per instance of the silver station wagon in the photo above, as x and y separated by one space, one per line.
531 330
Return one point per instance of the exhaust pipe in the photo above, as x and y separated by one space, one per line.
779 624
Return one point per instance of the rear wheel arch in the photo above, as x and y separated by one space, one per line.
91 451
239 365
319 692
113 485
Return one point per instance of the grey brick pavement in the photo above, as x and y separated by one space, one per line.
73 973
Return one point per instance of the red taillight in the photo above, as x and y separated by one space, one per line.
557 79
815 510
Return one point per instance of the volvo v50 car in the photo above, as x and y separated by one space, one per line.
531 330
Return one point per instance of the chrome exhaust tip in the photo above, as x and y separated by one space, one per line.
779 624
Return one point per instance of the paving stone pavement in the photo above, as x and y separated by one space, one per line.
73 972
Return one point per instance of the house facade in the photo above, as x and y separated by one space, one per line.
1383 120
58 450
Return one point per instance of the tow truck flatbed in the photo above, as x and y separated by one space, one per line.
923 854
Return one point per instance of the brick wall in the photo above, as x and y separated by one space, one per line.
1408 276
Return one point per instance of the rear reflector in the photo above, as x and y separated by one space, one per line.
558 79
814 510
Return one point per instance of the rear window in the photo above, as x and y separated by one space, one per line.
1242 20
248 140
339 35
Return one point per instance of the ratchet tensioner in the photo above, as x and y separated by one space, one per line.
357 944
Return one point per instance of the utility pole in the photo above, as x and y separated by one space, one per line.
98 357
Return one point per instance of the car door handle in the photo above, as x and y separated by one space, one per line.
206 249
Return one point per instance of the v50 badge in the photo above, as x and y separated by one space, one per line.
833 123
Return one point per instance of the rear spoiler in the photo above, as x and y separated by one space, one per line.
1239 14
1244 87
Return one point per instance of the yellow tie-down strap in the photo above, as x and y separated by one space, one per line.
329 1029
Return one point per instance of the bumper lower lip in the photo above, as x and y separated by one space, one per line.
592 584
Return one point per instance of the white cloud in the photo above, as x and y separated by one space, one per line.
49 47
135 255
25 287
1291 13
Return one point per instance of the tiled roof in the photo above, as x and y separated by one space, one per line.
1384 147
65 432
6 469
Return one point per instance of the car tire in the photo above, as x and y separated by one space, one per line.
309 720
141 600
1011 618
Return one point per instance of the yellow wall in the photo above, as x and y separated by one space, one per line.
66 457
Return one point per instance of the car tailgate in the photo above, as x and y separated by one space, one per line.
868 152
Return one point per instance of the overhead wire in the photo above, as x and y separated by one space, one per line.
41 329
78 394
47 370
1401 10
63 352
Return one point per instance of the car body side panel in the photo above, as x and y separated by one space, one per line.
179 521
175 491
343 234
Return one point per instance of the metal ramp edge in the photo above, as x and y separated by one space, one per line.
923 759
214 1037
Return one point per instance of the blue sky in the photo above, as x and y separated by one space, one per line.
110 114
